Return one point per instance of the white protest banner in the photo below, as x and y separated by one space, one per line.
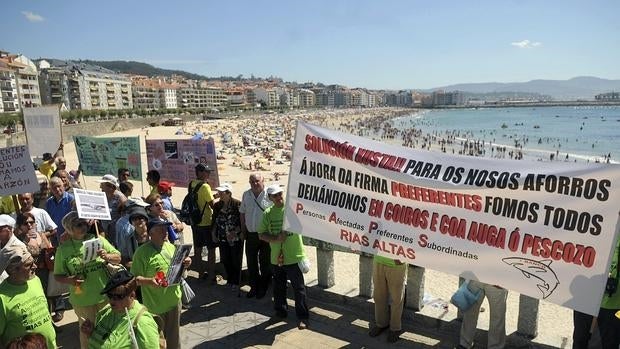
175 159
17 173
91 204
43 129
544 229
99 156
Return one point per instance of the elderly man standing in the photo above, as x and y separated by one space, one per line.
254 202
23 307
287 251
58 205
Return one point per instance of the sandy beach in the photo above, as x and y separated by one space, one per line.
555 322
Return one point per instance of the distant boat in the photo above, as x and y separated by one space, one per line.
536 126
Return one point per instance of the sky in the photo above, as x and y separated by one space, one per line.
378 44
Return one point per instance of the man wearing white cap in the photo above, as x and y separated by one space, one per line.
23 307
7 238
287 251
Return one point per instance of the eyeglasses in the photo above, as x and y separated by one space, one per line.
116 297
29 222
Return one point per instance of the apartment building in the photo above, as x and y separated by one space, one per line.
201 97
9 99
306 98
83 86
28 83
441 98
267 96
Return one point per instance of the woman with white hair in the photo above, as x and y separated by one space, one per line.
85 279
116 204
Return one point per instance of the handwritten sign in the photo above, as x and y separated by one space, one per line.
175 159
544 229
101 156
17 174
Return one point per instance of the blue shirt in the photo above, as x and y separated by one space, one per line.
58 209
125 240
167 203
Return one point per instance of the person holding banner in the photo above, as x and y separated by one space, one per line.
607 321
497 319
287 250
388 277
150 264
48 166
111 329
85 279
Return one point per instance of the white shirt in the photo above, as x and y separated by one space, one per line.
43 220
249 207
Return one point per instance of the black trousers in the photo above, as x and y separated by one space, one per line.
608 325
258 255
231 257
280 275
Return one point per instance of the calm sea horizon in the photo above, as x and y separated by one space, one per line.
587 133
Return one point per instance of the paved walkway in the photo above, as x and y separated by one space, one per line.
222 319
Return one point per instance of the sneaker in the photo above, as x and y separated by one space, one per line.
375 331
251 294
58 316
393 336
302 325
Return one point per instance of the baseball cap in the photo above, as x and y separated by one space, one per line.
137 211
224 187
12 254
203 167
164 186
108 179
274 189
6 220
153 222
120 278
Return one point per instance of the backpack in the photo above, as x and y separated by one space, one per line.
158 321
190 212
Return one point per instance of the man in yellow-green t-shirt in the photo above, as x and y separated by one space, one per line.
23 306
201 232
287 251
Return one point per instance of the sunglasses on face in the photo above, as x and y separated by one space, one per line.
116 297
29 222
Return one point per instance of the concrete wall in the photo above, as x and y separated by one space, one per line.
96 128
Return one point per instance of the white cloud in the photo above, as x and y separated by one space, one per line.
33 17
526 44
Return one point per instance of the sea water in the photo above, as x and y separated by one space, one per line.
587 133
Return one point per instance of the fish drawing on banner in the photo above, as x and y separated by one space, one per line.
539 271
